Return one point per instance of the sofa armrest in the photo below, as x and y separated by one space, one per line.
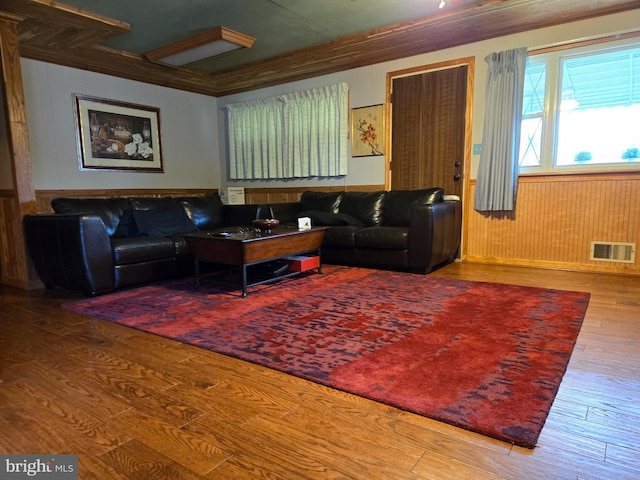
71 251
434 235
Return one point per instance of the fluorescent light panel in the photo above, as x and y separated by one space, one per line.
209 44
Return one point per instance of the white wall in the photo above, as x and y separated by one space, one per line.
368 87
188 124
193 126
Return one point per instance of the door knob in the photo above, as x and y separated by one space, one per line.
457 164
456 177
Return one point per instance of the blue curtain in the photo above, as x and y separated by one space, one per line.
497 180
297 135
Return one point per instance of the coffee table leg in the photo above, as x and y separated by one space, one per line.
196 269
244 281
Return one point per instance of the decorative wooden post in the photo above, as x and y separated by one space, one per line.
15 266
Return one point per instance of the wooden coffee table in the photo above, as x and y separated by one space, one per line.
243 249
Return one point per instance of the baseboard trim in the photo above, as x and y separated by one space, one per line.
571 267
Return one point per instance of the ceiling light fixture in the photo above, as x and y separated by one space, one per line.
205 45
441 5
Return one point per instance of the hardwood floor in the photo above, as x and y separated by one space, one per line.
137 406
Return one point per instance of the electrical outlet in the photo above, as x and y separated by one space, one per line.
477 148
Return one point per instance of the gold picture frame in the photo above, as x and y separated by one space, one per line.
113 135
367 131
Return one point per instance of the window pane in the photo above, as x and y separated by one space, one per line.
599 109
534 86
532 111
530 142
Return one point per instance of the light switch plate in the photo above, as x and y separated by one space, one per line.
477 148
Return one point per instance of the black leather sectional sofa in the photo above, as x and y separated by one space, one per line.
100 245
411 230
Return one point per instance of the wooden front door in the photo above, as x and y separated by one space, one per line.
428 130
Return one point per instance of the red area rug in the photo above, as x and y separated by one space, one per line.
485 357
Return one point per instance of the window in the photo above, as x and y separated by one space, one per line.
581 110
295 135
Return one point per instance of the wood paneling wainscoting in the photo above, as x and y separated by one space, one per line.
14 266
293 194
556 219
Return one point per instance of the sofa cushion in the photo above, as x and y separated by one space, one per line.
365 206
205 212
342 237
127 226
166 220
329 219
320 201
108 209
141 249
388 238
399 204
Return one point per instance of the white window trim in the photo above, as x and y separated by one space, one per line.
550 116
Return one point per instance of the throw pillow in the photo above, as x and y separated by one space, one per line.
367 206
320 201
163 221
127 226
206 212
400 204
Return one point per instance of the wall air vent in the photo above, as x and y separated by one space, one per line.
613 252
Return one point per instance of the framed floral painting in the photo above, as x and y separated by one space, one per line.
114 135
367 137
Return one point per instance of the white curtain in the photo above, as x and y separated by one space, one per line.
255 139
297 135
497 180
316 122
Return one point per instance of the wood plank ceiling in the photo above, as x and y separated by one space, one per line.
54 33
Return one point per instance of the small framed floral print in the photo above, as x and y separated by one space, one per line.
367 138
114 135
